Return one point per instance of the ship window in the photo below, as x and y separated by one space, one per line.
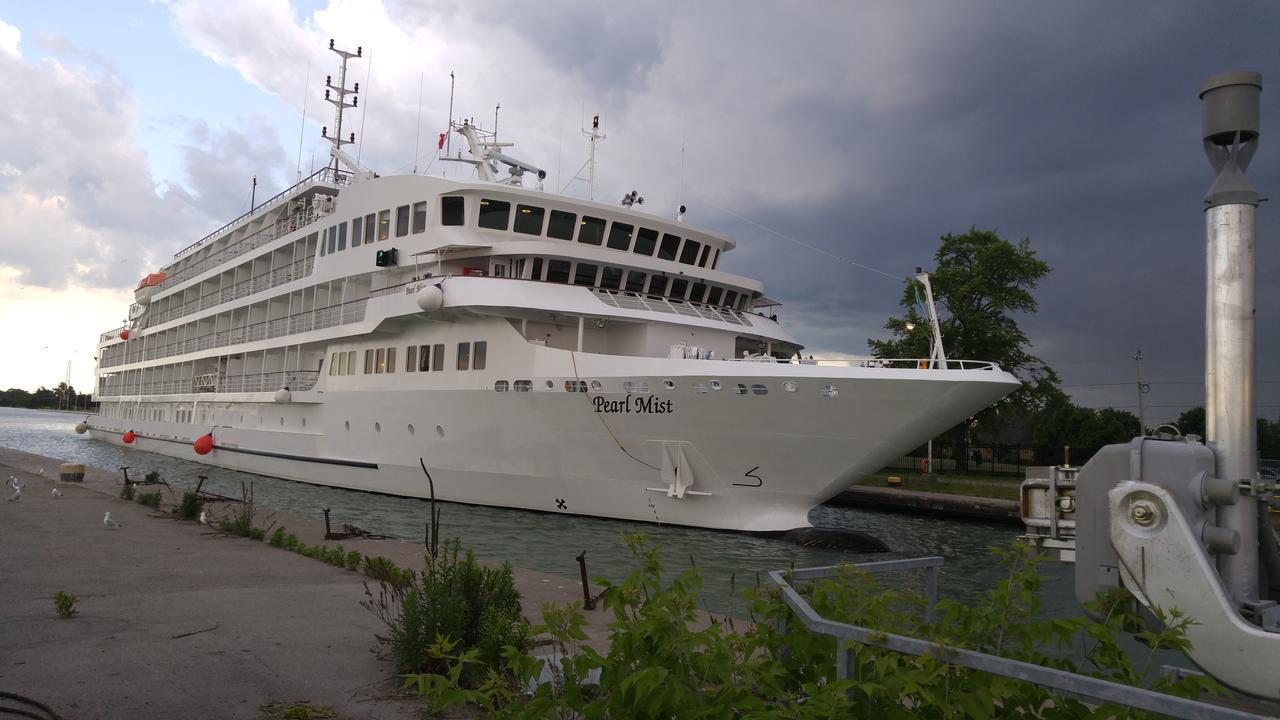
351 362
464 355
830 391
368 361
342 236
714 297
740 389
333 240
575 386
529 220
667 251
558 271
402 221
369 227
611 279
342 363
620 236
411 358
419 217
635 281
689 254
523 385
561 225
453 210
391 360
333 364
698 291
536 273
384 224
322 248
635 386
494 214
424 357
585 274
481 355
437 357
357 230
759 390
646 240
715 260
592 232
730 298
702 261
501 386
678 288
700 388
658 285
380 365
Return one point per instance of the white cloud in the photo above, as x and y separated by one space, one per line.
9 37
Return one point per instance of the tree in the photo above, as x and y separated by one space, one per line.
1061 422
980 283
1192 422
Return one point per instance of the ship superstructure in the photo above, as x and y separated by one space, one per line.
528 349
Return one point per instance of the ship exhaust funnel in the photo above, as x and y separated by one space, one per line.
1231 131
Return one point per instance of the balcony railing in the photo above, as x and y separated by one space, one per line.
297 380
263 281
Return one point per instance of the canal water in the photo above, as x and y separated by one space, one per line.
549 543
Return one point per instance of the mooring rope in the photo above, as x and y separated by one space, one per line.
573 357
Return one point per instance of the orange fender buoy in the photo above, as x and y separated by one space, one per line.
203 444
124 334
128 437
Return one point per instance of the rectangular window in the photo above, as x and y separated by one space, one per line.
357 231
678 288
351 362
384 224
646 241
342 364
670 243
714 297
715 259
561 225
402 221
689 254
482 350
522 386
333 240
635 281
585 274
323 243
592 230
437 357
698 291
370 226
342 236
419 217
558 271
536 273
368 361
411 358
380 366
464 356
620 236
391 359
611 279
730 298
529 219
658 285
702 261
494 214
333 365
424 357
453 211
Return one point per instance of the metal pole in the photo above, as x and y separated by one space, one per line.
1142 389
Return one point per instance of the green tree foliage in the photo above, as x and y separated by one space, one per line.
1061 422
981 283
1191 422
62 397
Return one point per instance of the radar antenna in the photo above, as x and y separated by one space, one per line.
594 136
336 95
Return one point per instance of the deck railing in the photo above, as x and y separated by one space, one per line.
298 380
263 281
878 363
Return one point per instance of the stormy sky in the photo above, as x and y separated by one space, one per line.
866 129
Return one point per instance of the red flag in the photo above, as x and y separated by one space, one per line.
440 145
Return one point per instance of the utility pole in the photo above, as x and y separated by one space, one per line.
1143 389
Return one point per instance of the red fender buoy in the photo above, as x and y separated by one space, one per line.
203 444
124 334
128 437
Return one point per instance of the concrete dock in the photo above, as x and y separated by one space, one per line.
177 620
967 507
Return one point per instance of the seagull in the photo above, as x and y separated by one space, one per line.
204 518
109 523
40 471
56 492
17 486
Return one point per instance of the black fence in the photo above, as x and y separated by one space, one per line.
1009 460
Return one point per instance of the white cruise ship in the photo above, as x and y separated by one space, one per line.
530 350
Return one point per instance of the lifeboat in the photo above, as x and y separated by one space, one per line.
148 286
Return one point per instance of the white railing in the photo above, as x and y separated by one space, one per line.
297 380
633 301
879 363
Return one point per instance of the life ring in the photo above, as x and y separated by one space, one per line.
924 465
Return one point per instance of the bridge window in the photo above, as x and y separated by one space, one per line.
646 241
357 228
658 285
402 221
464 356
697 293
620 236
419 217
611 278
585 274
667 251
715 260
561 225
333 240
689 254
536 273
384 224
714 297
495 214
635 281
342 236
678 288
370 226
529 219
558 271
481 351
702 261
730 298
592 231
453 211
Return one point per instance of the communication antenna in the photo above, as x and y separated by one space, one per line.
303 125
594 136
418 132
448 147
341 105
1143 389
496 108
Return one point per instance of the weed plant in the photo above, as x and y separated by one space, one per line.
191 505
65 605
151 499
126 491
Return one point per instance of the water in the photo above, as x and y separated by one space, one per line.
549 542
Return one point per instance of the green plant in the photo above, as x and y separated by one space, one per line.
257 533
126 491
152 477
277 538
151 499
352 561
65 604
291 543
190 506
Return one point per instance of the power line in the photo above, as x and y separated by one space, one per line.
1156 382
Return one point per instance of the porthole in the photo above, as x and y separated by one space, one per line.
439 431
669 384
740 389
377 427
346 425
410 428
700 388
501 386
550 385
830 391
595 385
759 390
715 385
789 386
